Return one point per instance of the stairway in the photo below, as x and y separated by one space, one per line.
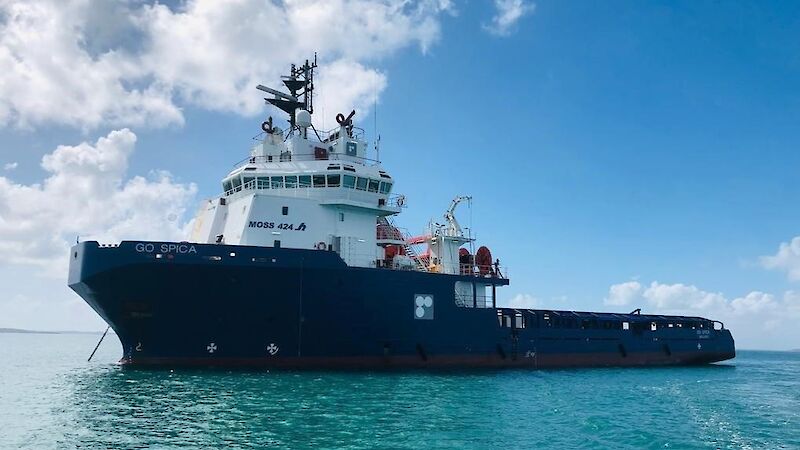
409 250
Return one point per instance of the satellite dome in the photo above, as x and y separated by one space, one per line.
302 118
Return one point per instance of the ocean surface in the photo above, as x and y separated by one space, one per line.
50 397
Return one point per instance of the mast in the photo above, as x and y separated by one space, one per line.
300 83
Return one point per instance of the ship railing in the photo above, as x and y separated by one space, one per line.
462 300
302 157
389 232
484 270
327 194
324 136
412 250
333 134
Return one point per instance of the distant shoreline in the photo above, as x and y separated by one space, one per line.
23 331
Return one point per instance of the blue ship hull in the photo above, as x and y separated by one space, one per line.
197 304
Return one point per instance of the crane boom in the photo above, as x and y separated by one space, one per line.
453 228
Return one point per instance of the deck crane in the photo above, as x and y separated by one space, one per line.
453 228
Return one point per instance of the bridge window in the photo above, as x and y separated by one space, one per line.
305 181
361 184
291 182
277 182
333 180
226 185
385 187
349 181
373 185
262 183
237 183
248 182
319 181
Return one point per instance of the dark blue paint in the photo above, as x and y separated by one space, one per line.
320 312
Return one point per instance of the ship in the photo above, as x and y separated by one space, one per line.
300 263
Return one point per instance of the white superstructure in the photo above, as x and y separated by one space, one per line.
303 192
307 189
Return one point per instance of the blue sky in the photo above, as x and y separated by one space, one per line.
604 143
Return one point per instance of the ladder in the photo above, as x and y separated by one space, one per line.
410 252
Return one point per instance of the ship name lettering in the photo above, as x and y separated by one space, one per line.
146 247
281 226
178 248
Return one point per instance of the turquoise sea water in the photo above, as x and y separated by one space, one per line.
50 397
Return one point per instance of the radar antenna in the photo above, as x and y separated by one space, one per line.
300 83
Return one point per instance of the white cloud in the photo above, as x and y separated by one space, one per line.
507 14
753 303
50 77
787 259
758 319
623 294
10 166
86 193
346 85
679 297
523 301
86 64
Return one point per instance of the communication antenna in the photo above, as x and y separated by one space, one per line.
375 119
300 83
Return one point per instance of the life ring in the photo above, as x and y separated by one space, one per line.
401 200
321 245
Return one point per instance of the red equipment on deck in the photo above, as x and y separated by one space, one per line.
483 259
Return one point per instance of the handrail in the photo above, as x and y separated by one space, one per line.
483 270
303 157
357 133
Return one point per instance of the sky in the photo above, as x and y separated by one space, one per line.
620 154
